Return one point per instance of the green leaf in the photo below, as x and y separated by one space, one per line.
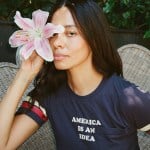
126 2
126 15
147 34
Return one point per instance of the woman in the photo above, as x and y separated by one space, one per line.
82 90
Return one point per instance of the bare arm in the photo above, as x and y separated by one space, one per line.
23 127
15 130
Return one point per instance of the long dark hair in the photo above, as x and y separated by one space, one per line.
91 21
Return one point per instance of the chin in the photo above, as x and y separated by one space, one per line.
60 66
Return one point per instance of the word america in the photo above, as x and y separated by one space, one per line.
86 121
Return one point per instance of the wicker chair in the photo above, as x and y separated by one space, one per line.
136 68
43 139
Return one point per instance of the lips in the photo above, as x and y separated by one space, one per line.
59 56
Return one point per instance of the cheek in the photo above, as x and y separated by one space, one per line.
79 49
80 56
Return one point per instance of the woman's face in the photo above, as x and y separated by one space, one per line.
69 48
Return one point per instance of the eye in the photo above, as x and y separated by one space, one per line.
71 33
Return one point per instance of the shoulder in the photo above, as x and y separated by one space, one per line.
133 102
118 84
129 90
124 86
127 93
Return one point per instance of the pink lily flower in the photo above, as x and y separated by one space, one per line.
34 35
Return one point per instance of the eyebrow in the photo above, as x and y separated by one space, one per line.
69 26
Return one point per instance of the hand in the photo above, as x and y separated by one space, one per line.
32 65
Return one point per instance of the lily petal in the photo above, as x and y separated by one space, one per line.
19 38
43 48
23 23
40 18
27 49
50 29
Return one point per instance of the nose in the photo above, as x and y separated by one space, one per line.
58 41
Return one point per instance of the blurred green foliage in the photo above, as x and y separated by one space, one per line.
128 14
122 14
8 8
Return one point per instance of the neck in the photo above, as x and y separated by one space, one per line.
84 81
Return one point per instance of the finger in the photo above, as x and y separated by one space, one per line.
33 55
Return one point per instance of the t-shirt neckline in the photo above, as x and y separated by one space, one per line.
97 90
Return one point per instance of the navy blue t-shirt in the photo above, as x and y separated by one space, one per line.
106 119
